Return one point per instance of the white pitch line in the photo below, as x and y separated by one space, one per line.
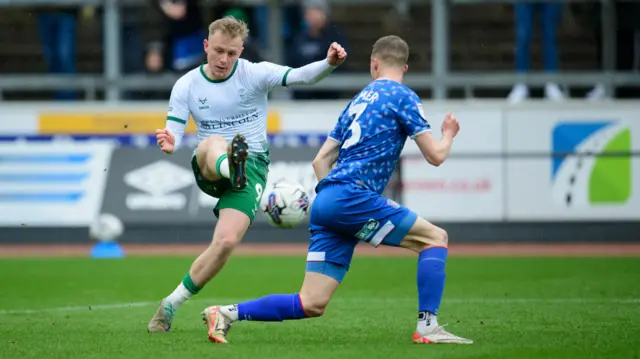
339 300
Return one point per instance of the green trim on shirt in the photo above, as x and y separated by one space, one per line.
284 77
175 119
235 66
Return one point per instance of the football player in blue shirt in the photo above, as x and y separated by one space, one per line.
365 146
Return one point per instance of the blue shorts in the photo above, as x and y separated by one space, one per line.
341 216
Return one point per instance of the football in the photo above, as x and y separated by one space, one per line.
106 228
285 204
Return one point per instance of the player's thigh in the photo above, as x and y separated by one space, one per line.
214 189
330 253
362 215
380 221
207 152
246 200
424 234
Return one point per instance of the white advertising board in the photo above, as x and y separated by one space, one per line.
545 185
480 131
457 190
52 184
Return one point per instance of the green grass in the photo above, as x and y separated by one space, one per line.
511 308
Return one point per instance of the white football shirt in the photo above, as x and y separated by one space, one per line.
237 104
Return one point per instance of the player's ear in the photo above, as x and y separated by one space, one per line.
405 68
206 44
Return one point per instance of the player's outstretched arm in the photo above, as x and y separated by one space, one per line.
267 75
316 71
326 157
436 152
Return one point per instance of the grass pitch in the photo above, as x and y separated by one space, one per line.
511 308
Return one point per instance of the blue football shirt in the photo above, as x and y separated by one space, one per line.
372 131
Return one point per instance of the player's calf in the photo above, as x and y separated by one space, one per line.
431 243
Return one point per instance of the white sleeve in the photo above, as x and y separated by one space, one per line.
308 74
270 75
178 112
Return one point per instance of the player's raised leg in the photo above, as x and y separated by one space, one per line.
431 243
217 159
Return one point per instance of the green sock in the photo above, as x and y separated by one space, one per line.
191 287
222 166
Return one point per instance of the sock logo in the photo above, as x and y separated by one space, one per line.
423 315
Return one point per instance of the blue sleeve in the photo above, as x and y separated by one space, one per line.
411 116
338 130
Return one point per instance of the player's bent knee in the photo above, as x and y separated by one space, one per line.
316 292
441 238
313 307
424 235
438 238
225 243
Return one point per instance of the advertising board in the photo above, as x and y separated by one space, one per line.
481 132
52 184
146 186
573 165
458 190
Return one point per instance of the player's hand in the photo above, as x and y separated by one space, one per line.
166 141
450 125
336 54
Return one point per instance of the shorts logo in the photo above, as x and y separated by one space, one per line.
367 230
392 203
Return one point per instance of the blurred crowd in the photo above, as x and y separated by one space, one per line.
308 30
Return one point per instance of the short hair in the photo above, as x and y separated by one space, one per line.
230 26
391 50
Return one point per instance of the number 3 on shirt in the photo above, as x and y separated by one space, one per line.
355 111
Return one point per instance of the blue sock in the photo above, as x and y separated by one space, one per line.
272 308
431 276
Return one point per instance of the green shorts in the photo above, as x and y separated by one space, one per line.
246 200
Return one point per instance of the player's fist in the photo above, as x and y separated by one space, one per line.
336 54
450 125
166 141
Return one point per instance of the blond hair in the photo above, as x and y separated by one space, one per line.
230 26
391 50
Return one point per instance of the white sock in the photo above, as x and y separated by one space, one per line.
224 168
178 296
230 311
427 322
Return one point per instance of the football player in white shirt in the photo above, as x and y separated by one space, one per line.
227 99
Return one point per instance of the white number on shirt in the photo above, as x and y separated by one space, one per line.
355 111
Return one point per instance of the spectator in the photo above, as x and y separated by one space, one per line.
57 26
627 37
550 15
185 33
312 44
